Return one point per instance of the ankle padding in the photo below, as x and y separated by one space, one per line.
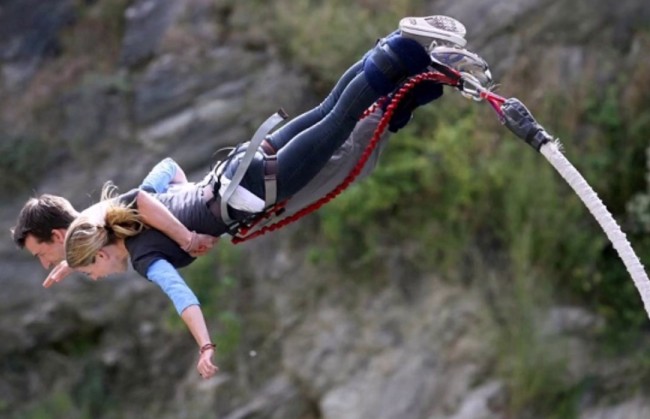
411 54
389 64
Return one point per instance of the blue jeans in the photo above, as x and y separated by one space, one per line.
305 144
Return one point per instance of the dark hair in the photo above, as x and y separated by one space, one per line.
40 216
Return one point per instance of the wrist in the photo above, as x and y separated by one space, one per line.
189 242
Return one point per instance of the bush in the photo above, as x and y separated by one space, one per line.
336 32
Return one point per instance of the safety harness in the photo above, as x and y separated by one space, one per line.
257 143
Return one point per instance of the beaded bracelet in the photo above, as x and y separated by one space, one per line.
206 347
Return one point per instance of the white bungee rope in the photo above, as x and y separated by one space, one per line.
607 222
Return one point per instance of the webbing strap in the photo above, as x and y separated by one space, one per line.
253 146
270 174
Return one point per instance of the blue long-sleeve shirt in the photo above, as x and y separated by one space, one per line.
160 176
163 274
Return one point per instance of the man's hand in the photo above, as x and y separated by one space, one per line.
200 244
57 274
205 367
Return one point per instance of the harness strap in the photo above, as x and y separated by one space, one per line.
270 174
245 162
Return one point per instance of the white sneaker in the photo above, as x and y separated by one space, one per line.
432 31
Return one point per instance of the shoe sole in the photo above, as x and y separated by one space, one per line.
419 27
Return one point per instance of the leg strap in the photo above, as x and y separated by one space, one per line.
270 174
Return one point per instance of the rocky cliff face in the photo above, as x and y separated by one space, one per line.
313 344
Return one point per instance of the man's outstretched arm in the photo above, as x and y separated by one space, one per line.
163 175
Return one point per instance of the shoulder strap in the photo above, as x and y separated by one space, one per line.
253 147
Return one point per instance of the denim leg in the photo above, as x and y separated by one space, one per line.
306 154
279 138
282 136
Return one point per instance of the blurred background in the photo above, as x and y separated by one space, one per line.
463 280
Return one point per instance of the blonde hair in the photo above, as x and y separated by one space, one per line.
86 236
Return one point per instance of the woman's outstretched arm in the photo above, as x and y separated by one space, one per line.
163 274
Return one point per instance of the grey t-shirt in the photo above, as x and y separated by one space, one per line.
150 245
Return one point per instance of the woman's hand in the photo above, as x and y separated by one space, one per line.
193 318
205 367
60 272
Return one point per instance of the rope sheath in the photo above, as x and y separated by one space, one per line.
603 217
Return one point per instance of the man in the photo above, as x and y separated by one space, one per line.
41 228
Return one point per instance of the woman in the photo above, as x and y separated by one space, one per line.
102 240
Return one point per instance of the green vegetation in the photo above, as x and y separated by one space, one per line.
529 361
291 25
90 398
89 51
56 406
639 206
99 23
18 166
300 23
